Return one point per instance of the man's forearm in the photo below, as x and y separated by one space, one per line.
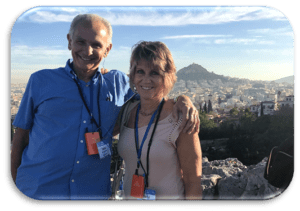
20 141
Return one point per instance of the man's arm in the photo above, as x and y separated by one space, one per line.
19 142
190 116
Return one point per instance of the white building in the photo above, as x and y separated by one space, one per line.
289 101
272 97
232 101
254 108
268 108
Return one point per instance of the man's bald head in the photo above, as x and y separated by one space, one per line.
88 19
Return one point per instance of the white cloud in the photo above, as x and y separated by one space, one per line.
237 41
273 52
194 36
287 31
266 42
214 16
69 9
24 57
156 16
37 55
46 17
244 41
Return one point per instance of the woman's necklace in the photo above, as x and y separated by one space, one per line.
145 113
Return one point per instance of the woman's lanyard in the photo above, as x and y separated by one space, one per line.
90 111
139 150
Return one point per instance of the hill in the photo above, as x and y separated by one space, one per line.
289 79
197 72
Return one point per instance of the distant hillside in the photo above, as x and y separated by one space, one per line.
197 72
289 79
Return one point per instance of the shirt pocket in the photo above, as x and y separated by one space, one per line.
59 110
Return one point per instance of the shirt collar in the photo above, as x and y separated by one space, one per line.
72 74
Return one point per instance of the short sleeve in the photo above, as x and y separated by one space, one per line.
174 133
25 115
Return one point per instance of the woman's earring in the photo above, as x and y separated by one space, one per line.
134 89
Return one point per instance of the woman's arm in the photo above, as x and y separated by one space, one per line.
116 130
190 158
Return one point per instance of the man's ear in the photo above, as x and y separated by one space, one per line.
108 48
69 41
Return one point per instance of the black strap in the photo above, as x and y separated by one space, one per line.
149 145
150 142
87 108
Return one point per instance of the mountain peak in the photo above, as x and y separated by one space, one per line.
193 68
196 72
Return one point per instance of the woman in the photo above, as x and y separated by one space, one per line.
171 167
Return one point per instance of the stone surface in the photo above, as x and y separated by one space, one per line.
209 183
230 179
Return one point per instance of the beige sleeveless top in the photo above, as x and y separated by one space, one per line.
164 169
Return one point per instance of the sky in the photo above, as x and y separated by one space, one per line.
252 42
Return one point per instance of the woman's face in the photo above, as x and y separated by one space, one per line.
147 80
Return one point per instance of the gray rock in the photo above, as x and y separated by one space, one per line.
257 186
230 179
232 187
208 183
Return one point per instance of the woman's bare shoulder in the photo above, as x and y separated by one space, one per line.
167 109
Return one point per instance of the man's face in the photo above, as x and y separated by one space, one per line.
88 46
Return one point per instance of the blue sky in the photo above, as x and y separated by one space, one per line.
250 42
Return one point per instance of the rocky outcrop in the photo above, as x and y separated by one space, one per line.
230 179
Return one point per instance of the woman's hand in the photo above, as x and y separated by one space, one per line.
190 116
190 159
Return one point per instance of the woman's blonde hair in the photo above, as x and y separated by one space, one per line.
158 55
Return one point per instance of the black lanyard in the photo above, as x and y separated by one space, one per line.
87 108
149 144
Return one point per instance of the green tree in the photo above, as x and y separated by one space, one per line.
206 123
281 124
234 112
205 107
246 121
207 127
200 104
278 106
261 124
247 110
278 94
209 109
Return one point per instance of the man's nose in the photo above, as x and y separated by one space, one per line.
89 50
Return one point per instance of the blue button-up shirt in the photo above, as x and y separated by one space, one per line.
55 164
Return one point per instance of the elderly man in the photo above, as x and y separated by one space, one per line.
49 158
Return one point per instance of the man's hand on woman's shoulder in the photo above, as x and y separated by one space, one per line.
103 71
190 115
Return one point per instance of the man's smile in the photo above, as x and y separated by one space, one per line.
85 59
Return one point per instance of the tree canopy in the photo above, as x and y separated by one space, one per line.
234 112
